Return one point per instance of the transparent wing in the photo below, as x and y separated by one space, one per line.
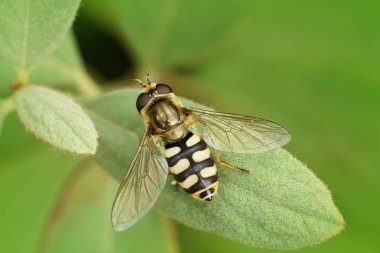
240 134
141 186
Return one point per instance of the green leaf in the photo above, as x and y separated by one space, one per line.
60 68
281 204
158 30
114 118
56 70
56 119
81 220
31 29
63 69
7 76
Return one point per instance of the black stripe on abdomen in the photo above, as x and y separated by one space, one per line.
185 152
202 184
194 168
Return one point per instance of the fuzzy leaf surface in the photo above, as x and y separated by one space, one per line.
31 29
63 68
56 119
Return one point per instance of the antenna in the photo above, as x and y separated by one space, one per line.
147 77
139 82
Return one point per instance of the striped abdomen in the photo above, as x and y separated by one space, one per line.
192 165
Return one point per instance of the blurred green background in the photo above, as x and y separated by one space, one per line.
312 66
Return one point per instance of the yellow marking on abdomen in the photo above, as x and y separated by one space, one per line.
202 155
170 152
189 181
193 140
208 172
180 166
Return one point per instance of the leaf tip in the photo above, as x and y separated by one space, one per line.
341 225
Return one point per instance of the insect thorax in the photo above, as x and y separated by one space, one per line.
166 118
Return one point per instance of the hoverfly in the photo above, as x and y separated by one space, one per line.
185 150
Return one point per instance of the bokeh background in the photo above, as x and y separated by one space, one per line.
312 66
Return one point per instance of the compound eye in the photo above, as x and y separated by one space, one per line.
142 100
163 89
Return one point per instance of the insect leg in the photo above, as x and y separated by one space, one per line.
226 164
176 184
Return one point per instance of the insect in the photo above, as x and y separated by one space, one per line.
178 139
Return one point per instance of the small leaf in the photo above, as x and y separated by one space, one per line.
281 204
31 29
56 119
80 221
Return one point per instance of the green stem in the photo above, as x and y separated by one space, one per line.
83 81
23 77
86 85
6 106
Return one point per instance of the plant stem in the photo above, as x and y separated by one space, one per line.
86 85
6 106
23 77
83 81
